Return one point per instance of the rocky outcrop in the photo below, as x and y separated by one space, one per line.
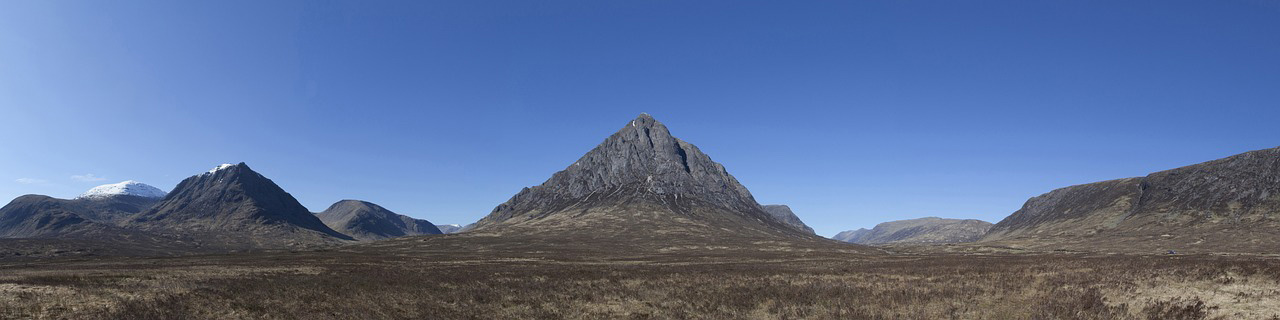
1226 205
366 221
640 183
782 213
918 231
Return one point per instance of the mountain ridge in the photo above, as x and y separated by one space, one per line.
1224 205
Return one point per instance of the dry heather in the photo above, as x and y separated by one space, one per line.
403 279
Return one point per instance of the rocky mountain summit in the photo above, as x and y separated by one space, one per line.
364 220
918 231
641 183
782 213
235 207
1226 205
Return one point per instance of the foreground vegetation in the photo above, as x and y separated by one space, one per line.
449 279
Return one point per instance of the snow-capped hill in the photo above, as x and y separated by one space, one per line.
127 188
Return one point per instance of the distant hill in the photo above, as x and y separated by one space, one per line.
1225 205
922 230
451 228
782 213
367 221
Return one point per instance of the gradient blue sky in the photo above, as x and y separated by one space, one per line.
852 112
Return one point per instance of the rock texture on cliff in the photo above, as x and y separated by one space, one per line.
640 184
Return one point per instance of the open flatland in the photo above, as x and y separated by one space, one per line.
486 277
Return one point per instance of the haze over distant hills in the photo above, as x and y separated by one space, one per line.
450 228
922 230
1224 205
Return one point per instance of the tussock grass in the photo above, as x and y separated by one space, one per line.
404 280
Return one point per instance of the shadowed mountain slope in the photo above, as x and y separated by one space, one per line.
99 210
37 216
232 206
782 213
367 221
1226 205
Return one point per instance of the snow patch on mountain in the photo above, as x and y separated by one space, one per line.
127 188
220 167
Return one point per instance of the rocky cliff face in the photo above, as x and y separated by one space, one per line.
1225 205
919 231
232 206
364 220
782 213
639 183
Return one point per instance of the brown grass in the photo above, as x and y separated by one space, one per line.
457 279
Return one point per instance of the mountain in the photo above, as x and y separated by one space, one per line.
116 203
126 188
1225 205
922 230
782 213
367 221
641 186
37 216
96 211
450 228
234 207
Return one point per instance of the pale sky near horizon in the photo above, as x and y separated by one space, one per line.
851 112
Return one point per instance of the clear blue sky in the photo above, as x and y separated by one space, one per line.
852 112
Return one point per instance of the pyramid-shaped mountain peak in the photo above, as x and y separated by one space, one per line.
644 153
640 170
